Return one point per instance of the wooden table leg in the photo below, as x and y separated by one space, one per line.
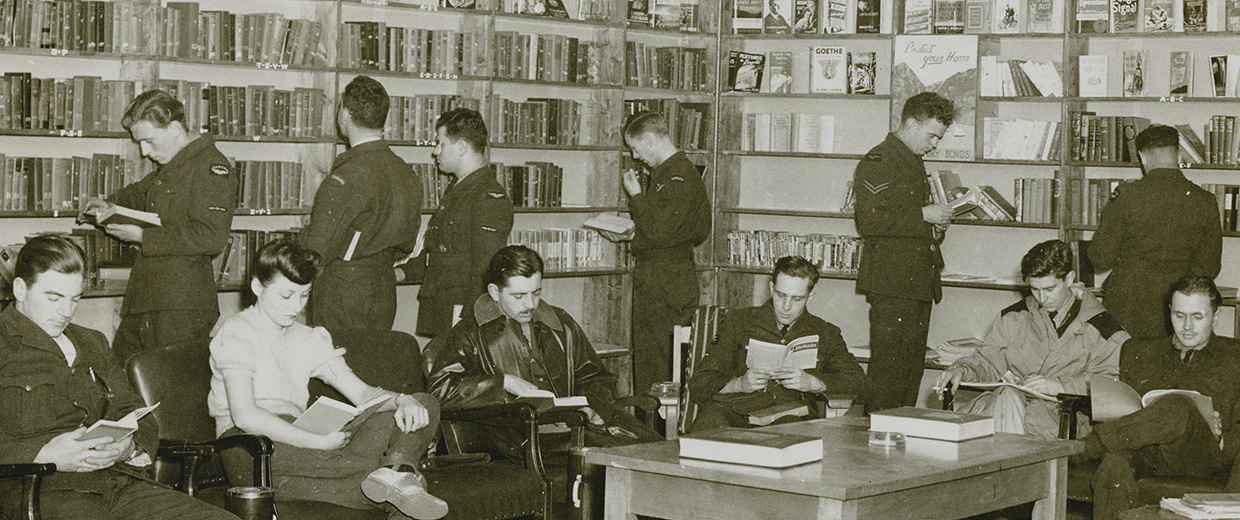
1054 506
618 494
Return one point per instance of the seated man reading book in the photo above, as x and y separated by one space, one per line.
262 360
1171 436
740 383
1050 342
515 345
56 378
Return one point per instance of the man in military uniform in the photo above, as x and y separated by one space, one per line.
171 296
56 378
901 261
672 215
1051 342
366 217
1152 232
729 392
473 222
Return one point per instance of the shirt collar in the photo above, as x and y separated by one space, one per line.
1165 173
1180 348
670 164
365 140
770 322
192 149
486 311
264 322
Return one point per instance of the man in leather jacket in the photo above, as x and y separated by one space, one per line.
514 344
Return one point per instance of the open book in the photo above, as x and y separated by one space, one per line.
121 215
118 429
612 223
994 385
802 353
1111 399
574 401
328 415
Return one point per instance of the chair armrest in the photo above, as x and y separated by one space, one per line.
529 425
258 446
645 403
21 470
571 417
1069 406
191 453
174 449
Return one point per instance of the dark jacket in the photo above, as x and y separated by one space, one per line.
900 256
471 225
195 195
673 214
371 191
1151 233
467 365
1154 363
41 396
725 360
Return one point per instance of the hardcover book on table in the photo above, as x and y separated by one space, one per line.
932 424
752 447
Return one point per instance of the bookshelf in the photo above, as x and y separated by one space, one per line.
803 192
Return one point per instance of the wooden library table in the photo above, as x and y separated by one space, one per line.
923 480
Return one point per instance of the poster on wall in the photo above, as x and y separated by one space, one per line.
946 65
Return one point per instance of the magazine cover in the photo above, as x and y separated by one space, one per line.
862 67
745 70
946 65
747 16
807 16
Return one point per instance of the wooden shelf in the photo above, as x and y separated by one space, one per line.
1021 99
247 65
1003 223
679 33
806 155
1012 162
1169 99
568 84
273 139
656 92
1144 35
1021 36
567 147
1090 227
787 213
809 36
420 76
64 53
806 95
601 24
416 7
64 133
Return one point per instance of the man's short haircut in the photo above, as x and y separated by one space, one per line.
1192 284
510 261
641 123
463 123
48 253
1052 257
929 105
367 102
796 267
1158 136
286 257
157 107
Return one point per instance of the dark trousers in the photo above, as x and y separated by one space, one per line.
898 330
353 297
162 329
665 294
127 498
1168 438
336 476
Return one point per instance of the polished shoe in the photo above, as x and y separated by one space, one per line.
406 491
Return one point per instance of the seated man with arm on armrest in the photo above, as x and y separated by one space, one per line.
1050 342
515 343
56 378
730 390
1170 437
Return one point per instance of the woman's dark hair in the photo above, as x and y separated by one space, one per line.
157 107
513 261
48 253
286 257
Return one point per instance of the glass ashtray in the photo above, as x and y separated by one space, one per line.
887 439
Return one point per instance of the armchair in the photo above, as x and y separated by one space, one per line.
32 478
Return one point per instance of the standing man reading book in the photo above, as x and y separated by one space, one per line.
171 297
472 223
1050 342
366 217
729 391
671 215
1170 437
901 261
1154 231
55 379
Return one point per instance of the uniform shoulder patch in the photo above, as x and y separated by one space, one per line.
336 178
220 169
1106 324
1019 306
677 178
495 195
875 188
874 156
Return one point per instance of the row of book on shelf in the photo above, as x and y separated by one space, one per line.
811 16
1019 78
1035 200
832 69
1228 204
1123 16
688 123
760 249
679 67
787 132
1093 74
268 185
72 25
429 52
1021 139
571 249
77 104
663 14
1090 196
62 184
1098 138
252 110
273 39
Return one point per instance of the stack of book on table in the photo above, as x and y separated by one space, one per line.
932 424
1202 506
